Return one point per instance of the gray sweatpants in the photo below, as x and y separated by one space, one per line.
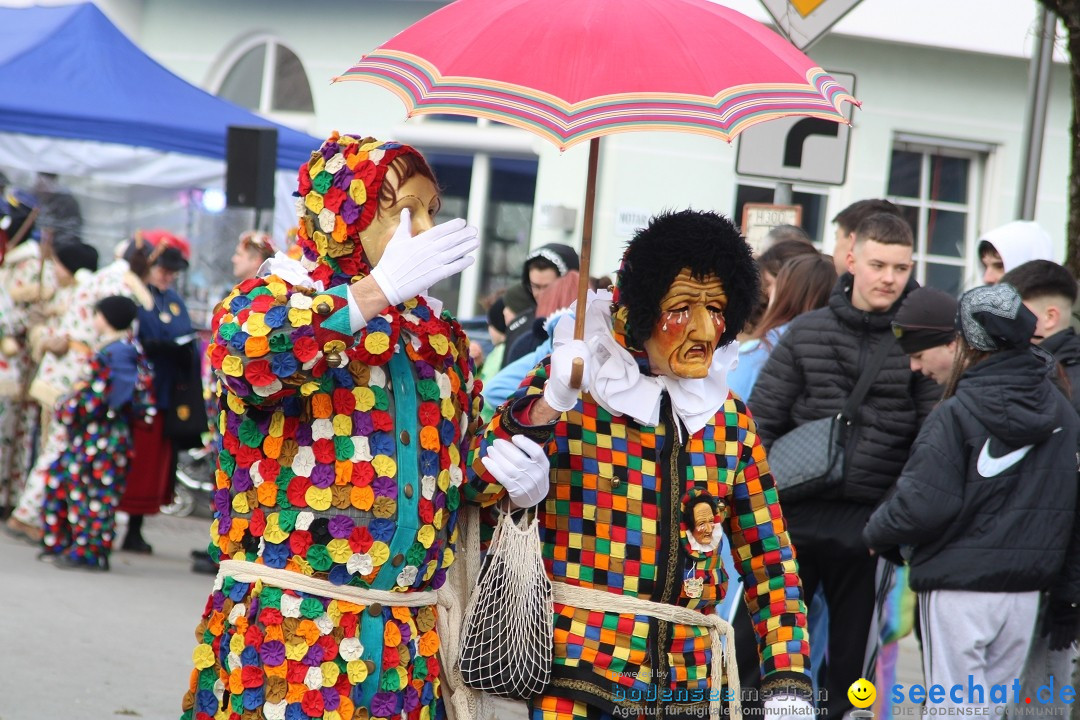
982 634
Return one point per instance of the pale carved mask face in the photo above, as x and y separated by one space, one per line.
690 325
419 195
703 523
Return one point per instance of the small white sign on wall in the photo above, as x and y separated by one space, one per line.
760 218
629 220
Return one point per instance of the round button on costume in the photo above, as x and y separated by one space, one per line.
339 476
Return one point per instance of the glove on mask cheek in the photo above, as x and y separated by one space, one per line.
420 196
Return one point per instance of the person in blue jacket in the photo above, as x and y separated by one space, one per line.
166 335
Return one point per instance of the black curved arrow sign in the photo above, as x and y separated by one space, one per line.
796 138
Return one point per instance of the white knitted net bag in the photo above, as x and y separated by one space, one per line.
507 636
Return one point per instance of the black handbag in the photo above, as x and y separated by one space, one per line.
809 460
186 420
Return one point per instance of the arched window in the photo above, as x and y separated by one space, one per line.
265 76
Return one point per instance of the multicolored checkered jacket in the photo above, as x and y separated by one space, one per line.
613 520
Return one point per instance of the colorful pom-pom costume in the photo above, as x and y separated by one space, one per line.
339 477
84 483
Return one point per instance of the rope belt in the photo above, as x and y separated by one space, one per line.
448 621
720 631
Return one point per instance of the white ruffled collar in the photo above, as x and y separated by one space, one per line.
618 385
714 542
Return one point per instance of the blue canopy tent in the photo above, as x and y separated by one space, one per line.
134 143
68 72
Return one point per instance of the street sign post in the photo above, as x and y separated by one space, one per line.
804 22
798 149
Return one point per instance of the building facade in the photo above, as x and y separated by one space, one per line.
943 92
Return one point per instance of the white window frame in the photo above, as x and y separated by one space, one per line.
224 65
482 140
977 154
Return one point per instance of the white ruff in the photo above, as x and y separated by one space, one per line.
289 270
618 385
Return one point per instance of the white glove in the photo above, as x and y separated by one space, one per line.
410 265
557 391
521 467
788 707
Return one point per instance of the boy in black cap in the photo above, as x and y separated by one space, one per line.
925 327
85 482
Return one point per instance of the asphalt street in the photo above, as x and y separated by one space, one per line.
95 646
100 646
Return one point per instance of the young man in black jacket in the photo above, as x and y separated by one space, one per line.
847 222
809 376
986 508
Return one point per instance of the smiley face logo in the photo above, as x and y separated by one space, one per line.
862 693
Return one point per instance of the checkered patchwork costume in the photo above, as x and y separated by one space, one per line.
611 521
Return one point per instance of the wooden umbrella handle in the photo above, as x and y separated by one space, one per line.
577 369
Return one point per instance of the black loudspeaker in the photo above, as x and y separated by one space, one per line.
250 159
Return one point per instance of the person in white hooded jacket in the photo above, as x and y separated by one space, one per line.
1012 245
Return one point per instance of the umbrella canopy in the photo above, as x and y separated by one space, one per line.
572 70
575 70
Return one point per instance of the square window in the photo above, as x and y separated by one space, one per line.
949 278
905 173
940 209
945 229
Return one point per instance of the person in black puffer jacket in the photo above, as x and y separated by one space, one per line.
1049 291
986 508
809 376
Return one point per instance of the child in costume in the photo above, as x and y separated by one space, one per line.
66 347
85 482
637 475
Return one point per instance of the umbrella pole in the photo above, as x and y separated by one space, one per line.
585 258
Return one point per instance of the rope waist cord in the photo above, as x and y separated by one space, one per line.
720 631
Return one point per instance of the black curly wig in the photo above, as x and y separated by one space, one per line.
703 241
